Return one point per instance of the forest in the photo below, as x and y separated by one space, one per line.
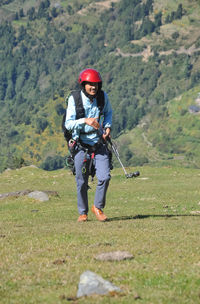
44 47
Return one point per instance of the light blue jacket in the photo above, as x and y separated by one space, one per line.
79 128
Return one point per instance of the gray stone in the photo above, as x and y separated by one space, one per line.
91 283
34 194
39 195
15 194
114 256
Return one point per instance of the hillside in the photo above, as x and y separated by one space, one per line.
169 135
45 44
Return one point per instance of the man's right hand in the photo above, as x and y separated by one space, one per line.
92 122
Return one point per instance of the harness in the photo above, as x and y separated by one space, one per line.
80 111
75 146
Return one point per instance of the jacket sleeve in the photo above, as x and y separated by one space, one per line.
107 111
71 123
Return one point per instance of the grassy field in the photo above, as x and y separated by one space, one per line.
43 250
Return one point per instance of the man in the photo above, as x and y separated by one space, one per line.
88 132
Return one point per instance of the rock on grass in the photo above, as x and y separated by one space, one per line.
91 284
114 256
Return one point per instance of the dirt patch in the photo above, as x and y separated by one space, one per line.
100 6
146 53
59 262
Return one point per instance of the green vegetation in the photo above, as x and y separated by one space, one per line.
167 136
43 250
44 45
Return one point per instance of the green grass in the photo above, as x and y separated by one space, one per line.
149 216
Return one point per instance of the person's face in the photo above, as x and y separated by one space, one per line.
91 87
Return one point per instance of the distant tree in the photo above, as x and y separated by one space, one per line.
128 154
59 37
21 13
195 78
147 27
41 10
167 19
2 92
158 19
187 68
175 14
12 72
27 120
127 34
61 92
15 162
149 6
175 35
16 16
22 33
172 16
47 3
59 109
31 14
23 50
20 99
54 12
138 13
11 133
138 160
48 17
10 91
70 9
179 12
41 124
3 85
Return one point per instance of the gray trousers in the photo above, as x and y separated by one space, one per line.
102 166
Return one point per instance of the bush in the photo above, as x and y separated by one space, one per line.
175 35
59 109
53 163
15 162
12 133
139 160
41 124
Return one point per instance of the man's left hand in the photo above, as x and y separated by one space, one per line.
106 134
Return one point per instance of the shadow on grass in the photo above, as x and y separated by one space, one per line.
140 216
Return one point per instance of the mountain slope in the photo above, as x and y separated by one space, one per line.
154 59
167 136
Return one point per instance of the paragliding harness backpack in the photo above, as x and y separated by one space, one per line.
75 146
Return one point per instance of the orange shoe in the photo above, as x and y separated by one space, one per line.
99 214
83 218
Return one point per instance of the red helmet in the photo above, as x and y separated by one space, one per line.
89 75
